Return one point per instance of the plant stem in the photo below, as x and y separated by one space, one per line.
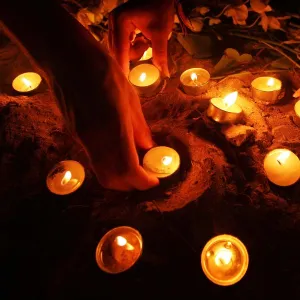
282 53
263 41
247 72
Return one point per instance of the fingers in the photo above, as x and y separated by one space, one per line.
141 130
119 37
160 53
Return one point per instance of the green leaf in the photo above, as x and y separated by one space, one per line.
282 63
197 45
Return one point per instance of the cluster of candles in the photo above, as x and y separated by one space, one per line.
224 258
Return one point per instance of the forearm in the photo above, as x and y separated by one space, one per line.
60 46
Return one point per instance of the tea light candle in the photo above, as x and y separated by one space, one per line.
224 260
297 108
266 89
26 82
161 161
225 110
119 249
282 167
147 54
66 177
145 78
194 81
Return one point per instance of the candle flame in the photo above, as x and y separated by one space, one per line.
271 82
166 160
230 99
282 157
121 241
194 76
223 257
142 77
67 177
26 82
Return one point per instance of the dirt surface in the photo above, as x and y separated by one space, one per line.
49 241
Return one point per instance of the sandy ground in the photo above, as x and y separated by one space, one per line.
220 188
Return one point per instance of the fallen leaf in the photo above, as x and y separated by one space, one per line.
274 23
202 10
264 22
260 6
197 45
282 63
196 24
239 14
232 53
231 59
297 94
245 59
214 21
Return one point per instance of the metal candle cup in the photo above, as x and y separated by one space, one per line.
119 249
194 81
146 79
266 90
222 113
66 177
224 260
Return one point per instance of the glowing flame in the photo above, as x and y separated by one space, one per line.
194 76
26 82
282 157
271 82
166 160
121 241
67 177
223 257
230 99
142 77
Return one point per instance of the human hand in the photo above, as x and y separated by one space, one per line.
111 128
154 19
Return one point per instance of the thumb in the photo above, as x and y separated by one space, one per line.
160 53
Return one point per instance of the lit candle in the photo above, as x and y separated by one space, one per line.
66 177
297 108
161 161
225 110
26 82
224 260
119 249
194 81
147 54
266 89
282 167
145 78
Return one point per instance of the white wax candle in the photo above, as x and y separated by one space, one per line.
145 78
161 161
282 167
267 84
147 54
194 81
26 82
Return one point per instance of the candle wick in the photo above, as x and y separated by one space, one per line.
279 162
